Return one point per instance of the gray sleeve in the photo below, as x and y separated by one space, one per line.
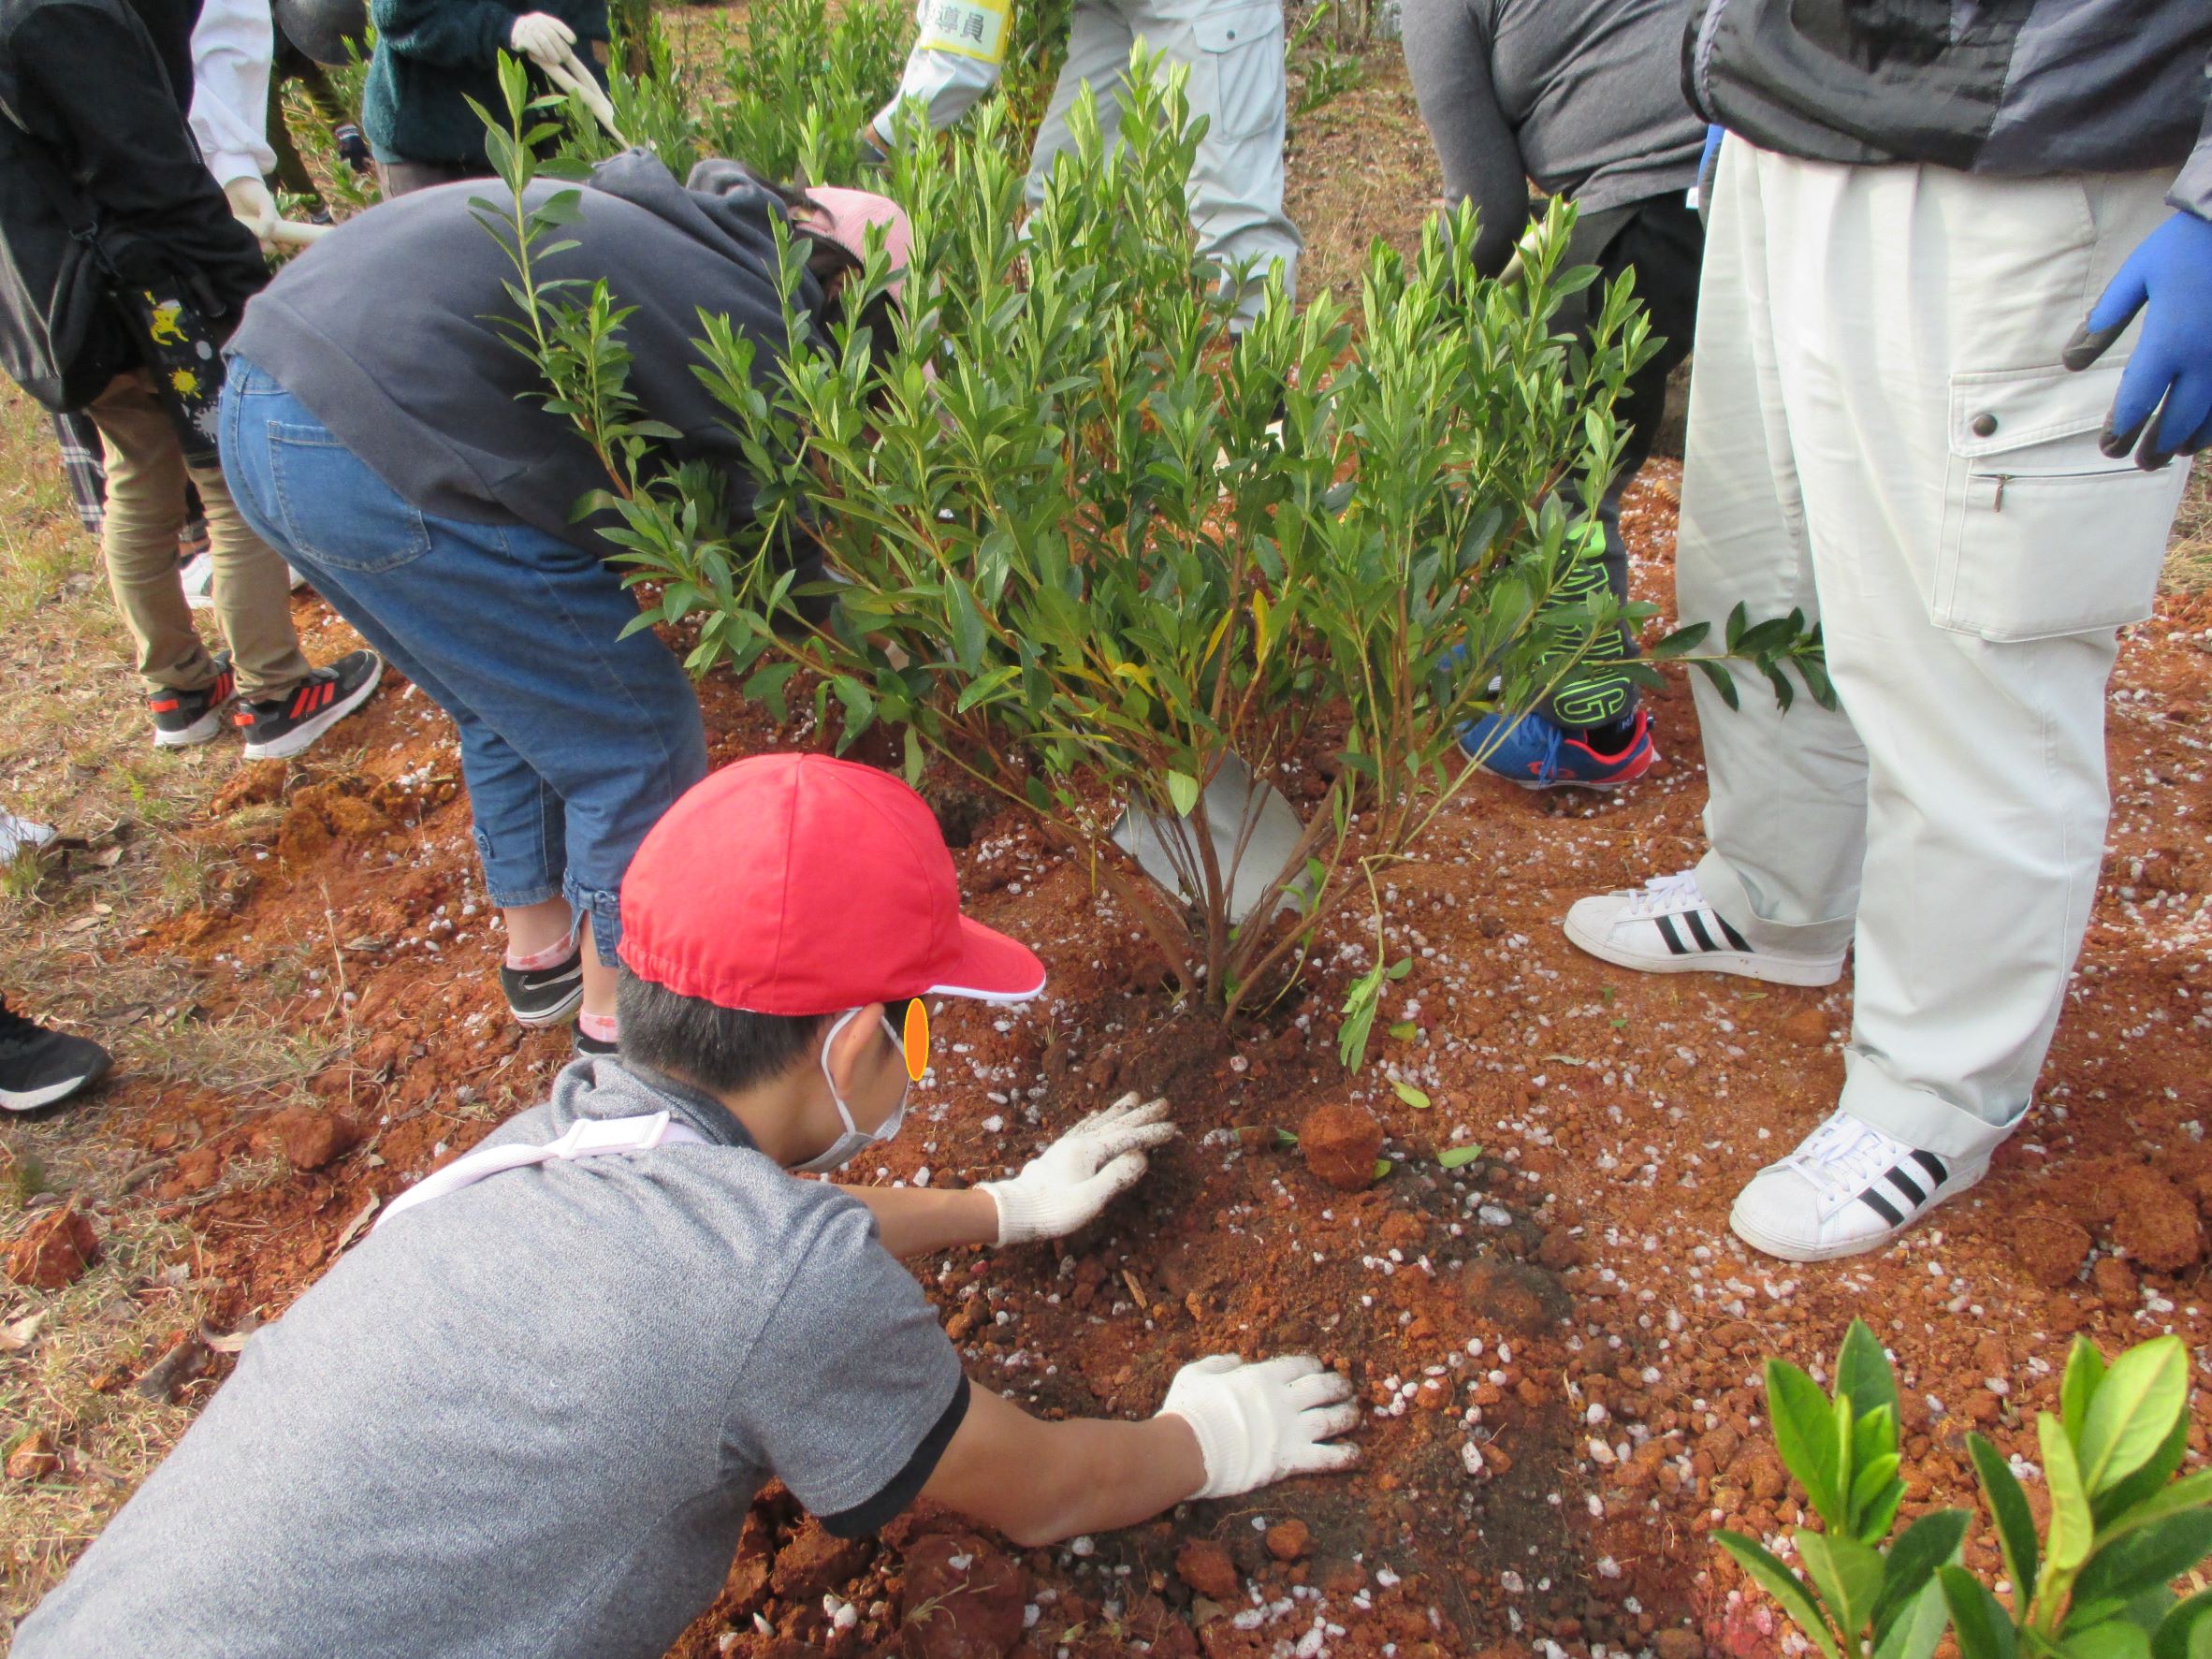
852 1376
1447 55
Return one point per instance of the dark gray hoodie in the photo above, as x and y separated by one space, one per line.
385 330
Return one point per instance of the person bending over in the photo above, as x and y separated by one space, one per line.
400 455
527 1413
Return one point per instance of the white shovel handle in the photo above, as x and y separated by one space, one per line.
572 77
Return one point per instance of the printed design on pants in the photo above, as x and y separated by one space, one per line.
1589 698
968 28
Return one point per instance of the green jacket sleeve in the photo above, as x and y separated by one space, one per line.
452 34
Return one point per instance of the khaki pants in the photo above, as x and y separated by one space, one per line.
1880 433
146 473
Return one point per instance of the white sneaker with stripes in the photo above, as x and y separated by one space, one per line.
1668 926
1848 1188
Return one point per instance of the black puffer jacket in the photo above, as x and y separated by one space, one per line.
92 95
2021 87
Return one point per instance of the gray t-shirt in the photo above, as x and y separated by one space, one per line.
1584 96
527 1418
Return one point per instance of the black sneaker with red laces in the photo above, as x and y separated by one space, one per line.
284 726
183 718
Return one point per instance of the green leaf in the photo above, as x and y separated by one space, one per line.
2008 1509
2067 1545
2191 1491
1797 1597
2183 1628
2117 1638
2118 1503
1848 1572
1804 1435
1382 1168
1867 1488
2134 1411
2144 1559
2085 1370
1909 1566
1405 1031
1183 790
1411 1096
1916 1629
1862 1371
1458 1158
1978 1620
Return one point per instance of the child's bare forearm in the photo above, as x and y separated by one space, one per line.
914 1220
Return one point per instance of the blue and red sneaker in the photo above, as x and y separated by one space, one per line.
1532 752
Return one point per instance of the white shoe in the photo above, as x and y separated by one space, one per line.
198 572
16 834
198 576
1670 926
1849 1188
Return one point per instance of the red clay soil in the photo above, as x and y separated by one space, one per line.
1558 1343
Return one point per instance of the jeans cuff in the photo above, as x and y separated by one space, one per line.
508 882
1915 1115
605 911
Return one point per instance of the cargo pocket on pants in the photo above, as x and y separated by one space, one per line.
2043 536
1243 49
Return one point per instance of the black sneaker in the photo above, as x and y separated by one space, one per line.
284 726
183 718
592 1047
39 1068
545 996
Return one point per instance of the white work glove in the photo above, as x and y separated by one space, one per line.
1261 1423
1079 1174
541 37
252 206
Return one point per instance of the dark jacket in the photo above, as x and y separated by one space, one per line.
2022 87
93 94
386 328
433 56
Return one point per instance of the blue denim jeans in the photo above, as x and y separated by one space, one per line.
573 739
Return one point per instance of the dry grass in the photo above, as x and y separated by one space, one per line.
107 1325
2189 554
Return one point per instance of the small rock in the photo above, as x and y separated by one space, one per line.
1806 1026
1206 1567
1287 1540
1340 1144
2156 1223
2051 1250
816 1560
311 1139
2114 1281
1677 1643
963 1599
54 1249
35 1459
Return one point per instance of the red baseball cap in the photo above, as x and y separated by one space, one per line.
797 884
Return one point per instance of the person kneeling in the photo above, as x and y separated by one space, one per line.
527 1415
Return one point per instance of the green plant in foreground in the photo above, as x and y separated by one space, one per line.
2096 1587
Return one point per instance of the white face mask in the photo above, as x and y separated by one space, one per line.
854 1142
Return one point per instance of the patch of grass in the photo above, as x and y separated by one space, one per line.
2189 551
106 1328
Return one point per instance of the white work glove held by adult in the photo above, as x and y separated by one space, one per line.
1264 1421
252 206
541 37
1070 1181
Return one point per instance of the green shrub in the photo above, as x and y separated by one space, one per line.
2095 1586
1084 570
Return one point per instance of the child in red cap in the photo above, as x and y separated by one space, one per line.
529 1413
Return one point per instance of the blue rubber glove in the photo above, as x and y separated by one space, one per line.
2165 394
1713 135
